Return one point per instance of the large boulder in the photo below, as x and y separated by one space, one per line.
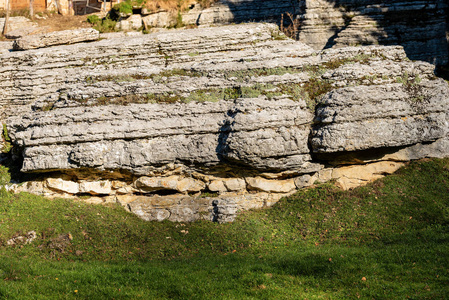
139 136
398 114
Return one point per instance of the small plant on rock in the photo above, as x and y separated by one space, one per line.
411 83
6 140
102 25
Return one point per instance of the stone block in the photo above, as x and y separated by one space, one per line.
353 176
103 187
217 186
303 181
56 38
234 184
270 186
159 19
175 183
65 186
133 22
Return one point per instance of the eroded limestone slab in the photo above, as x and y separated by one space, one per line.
56 38
364 117
136 137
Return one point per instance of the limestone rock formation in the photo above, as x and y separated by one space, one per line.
137 137
56 38
77 71
203 123
235 11
364 117
418 26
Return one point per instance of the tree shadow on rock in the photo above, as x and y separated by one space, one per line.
417 26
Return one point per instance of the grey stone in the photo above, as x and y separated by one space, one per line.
223 210
303 181
235 11
56 38
61 74
342 23
364 117
159 19
138 136
133 22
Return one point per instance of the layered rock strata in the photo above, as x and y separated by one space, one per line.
235 11
366 117
135 138
212 122
43 40
46 75
418 26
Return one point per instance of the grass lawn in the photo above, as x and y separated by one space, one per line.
388 240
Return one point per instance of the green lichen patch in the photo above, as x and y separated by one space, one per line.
158 77
360 58
412 85
310 91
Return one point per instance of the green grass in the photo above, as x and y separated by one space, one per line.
389 240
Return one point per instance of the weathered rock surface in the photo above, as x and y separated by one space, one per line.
183 208
134 22
349 177
136 137
215 121
56 38
64 72
235 11
175 183
365 117
159 19
5 47
418 26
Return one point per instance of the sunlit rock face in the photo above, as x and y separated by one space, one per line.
203 123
